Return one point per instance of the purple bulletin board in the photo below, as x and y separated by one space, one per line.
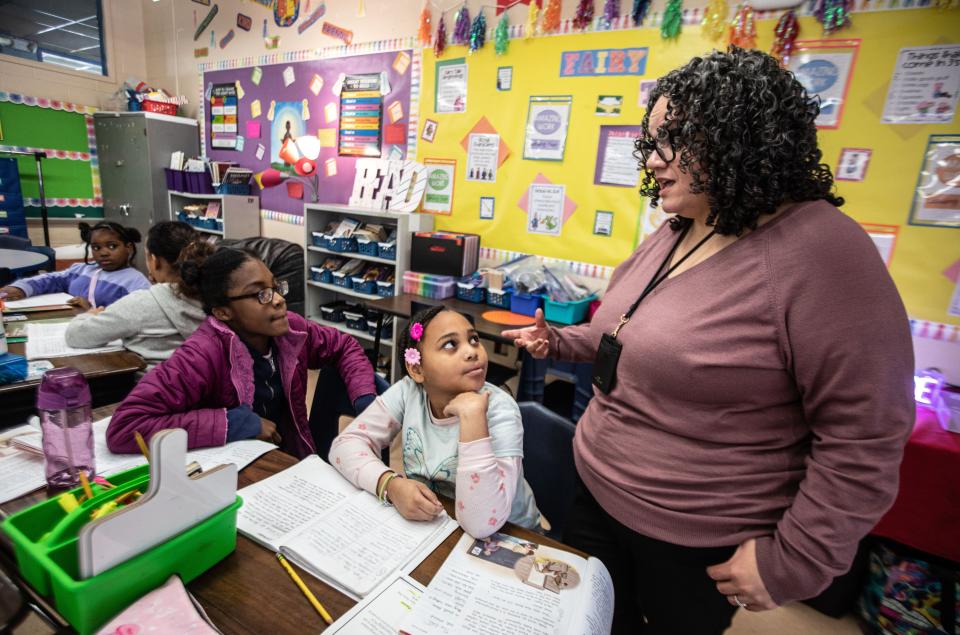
333 189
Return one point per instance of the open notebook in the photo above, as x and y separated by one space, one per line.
48 338
503 585
340 534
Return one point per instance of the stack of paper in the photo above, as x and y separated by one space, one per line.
47 339
44 302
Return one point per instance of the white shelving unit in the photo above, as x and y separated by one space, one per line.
240 212
316 216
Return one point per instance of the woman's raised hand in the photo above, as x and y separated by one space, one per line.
535 339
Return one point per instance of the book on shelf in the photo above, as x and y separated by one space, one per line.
338 533
236 176
502 585
213 209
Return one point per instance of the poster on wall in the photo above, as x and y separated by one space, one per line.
361 114
451 86
884 237
286 128
548 118
824 68
438 197
223 116
616 164
483 152
936 202
545 208
925 84
852 165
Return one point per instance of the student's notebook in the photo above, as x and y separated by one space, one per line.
48 339
44 302
340 534
503 585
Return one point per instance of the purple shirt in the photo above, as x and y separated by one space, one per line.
111 285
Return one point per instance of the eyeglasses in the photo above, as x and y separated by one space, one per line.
265 296
646 146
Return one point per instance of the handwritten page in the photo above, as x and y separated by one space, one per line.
382 611
47 339
288 501
503 585
20 472
54 300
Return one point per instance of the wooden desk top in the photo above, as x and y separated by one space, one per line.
248 592
92 366
400 306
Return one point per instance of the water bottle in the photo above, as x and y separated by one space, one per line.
63 402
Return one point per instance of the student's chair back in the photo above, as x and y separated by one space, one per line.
548 462
330 402
285 261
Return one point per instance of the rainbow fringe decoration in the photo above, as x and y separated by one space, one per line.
743 28
461 26
835 15
440 42
478 32
611 12
715 19
672 22
423 34
784 37
639 11
551 17
501 35
584 16
533 17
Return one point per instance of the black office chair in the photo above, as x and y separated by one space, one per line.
330 401
548 462
285 261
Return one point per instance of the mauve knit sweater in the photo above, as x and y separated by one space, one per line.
765 392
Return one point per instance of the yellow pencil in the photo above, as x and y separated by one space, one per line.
142 445
86 485
303 588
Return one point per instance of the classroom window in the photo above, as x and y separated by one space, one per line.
66 33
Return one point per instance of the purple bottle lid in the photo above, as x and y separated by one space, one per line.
62 388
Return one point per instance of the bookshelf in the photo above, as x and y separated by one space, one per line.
240 213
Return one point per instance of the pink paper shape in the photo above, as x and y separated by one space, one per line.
953 272
394 133
483 126
568 205
253 129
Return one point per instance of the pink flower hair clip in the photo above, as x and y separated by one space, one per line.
416 331
411 356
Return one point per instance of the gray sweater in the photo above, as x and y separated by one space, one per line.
151 322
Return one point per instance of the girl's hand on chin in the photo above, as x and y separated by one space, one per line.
467 403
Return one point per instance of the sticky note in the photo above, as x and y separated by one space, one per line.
331 166
395 110
240 92
304 110
273 109
401 62
255 108
327 137
253 129
394 133
316 84
239 144
256 75
294 189
260 150
330 112
289 76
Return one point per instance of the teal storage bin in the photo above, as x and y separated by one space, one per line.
567 312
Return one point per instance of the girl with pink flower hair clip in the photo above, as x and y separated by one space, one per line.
462 438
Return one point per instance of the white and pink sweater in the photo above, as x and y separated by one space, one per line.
485 476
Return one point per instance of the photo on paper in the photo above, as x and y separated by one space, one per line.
527 561
852 165
429 130
288 125
609 105
936 201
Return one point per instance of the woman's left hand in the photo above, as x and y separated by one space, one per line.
739 579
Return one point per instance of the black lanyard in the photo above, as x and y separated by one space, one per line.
657 278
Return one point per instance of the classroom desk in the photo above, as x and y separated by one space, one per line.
110 375
248 593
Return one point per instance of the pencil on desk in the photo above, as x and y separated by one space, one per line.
85 483
303 588
142 445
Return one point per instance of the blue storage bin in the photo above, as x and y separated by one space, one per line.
567 312
499 298
386 329
365 286
332 312
183 217
387 250
316 274
367 247
343 245
342 280
355 321
470 293
526 304
218 224
385 289
320 240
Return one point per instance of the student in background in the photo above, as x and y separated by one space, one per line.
96 284
462 437
151 322
243 373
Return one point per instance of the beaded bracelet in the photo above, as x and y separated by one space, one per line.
382 493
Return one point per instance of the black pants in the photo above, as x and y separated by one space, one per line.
660 588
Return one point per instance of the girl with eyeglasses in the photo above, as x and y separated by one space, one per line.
243 373
92 284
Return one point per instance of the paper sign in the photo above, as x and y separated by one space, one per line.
609 105
253 129
327 137
401 62
294 188
438 198
395 110
451 89
824 67
331 166
852 165
334 31
486 207
546 133
505 78
255 108
256 75
316 84
483 151
603 223
261 149
394 133
925 85
616 164
239 144
936 200
330 112
289 76
545 213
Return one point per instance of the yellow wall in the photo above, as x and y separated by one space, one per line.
921 253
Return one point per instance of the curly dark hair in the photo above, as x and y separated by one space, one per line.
744 128
129 236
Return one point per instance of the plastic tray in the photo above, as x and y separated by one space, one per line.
526 304
367 247
471 293
355 321
499 298
385 289
428 285
342 280
387 250
320 240
365 286
342 245
567 312
332 312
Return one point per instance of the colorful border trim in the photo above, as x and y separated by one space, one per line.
949 333
378 46
42 102
281 217
51 153
65 202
